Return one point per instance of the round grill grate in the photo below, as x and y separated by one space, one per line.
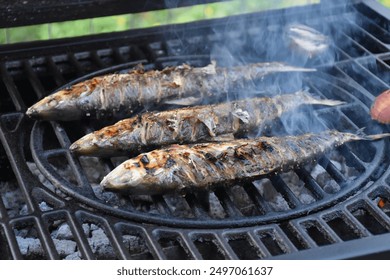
310 188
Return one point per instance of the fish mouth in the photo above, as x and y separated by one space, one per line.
84 146
88 145
125 178
32 113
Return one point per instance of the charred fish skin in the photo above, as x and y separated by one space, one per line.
199 166
206 123
122 94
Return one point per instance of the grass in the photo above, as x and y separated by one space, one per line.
142 20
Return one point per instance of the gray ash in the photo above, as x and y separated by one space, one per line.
13 199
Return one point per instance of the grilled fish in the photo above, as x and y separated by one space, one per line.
189 125
181 167
122 94
307 40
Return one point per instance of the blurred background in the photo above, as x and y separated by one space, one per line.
143 20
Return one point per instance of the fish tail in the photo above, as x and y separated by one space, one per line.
362 136
377 136
289 68
317 101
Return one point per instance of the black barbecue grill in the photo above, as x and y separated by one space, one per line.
52 206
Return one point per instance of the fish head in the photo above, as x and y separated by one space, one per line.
65 104
113 140
149 173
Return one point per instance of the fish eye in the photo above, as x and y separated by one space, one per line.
53 103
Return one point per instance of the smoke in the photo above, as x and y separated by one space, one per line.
300 36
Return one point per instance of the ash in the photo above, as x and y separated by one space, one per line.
298 187
13 199
67 247
274 199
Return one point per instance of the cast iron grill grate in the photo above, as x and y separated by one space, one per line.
57 214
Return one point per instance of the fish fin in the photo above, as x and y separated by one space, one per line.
362 136
224 137
309 99
183 101
208 121
242 115
208 69
138 69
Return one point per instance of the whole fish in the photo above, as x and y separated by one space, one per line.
307 40
122 94
181 167
193 124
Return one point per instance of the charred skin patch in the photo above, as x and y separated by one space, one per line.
241 153
264 145
129 165
170 162
144 159
115 130
82 87
210 157
186 155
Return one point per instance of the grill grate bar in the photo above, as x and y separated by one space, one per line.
12 89
371 38
46 239
197 208
327 164
58 77
118 58
12 242
301 233
281 187
161 204
264 252
373 85
187 240
334 238
353 222
76 64
377 68
228 251
227 204
257 198
382 218
376 30
75 164
311 184
34 80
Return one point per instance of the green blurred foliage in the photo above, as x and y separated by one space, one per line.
143 20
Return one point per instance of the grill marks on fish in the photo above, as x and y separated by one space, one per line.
122 94
190 125
200 166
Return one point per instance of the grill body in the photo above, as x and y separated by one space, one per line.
52 209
